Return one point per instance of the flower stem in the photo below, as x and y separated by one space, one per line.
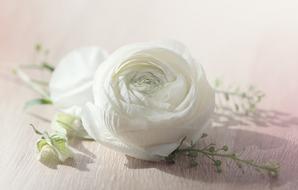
271 169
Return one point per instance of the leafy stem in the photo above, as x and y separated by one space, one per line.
216 155
39 86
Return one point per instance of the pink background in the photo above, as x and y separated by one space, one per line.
244 42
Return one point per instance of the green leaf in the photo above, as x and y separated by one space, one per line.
35 130
39 101
48 67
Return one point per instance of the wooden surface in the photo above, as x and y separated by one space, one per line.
244 41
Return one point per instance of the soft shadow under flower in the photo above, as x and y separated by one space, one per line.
257 146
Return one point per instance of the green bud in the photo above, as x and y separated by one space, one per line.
69 125
47 154
225 148
211 149
53 148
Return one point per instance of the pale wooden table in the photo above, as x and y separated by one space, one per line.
244 41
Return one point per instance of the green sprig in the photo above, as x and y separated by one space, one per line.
216 155
239 99
39 86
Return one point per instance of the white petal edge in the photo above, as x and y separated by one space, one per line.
71 82
102 135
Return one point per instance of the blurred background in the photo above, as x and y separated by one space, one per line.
241 41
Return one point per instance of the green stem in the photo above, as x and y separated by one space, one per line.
232 157
48 66
28 81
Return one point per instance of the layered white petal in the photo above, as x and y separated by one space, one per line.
96 128
147 97
71 82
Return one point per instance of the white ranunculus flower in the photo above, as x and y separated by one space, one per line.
142 99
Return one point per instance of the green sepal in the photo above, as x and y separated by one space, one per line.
70 125
38 101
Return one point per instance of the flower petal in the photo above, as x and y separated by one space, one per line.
71 82
181 108
97 130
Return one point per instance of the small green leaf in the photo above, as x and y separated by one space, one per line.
35 130
39 101
47 66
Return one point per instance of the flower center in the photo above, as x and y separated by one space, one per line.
146 82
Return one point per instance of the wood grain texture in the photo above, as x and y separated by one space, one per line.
246 42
